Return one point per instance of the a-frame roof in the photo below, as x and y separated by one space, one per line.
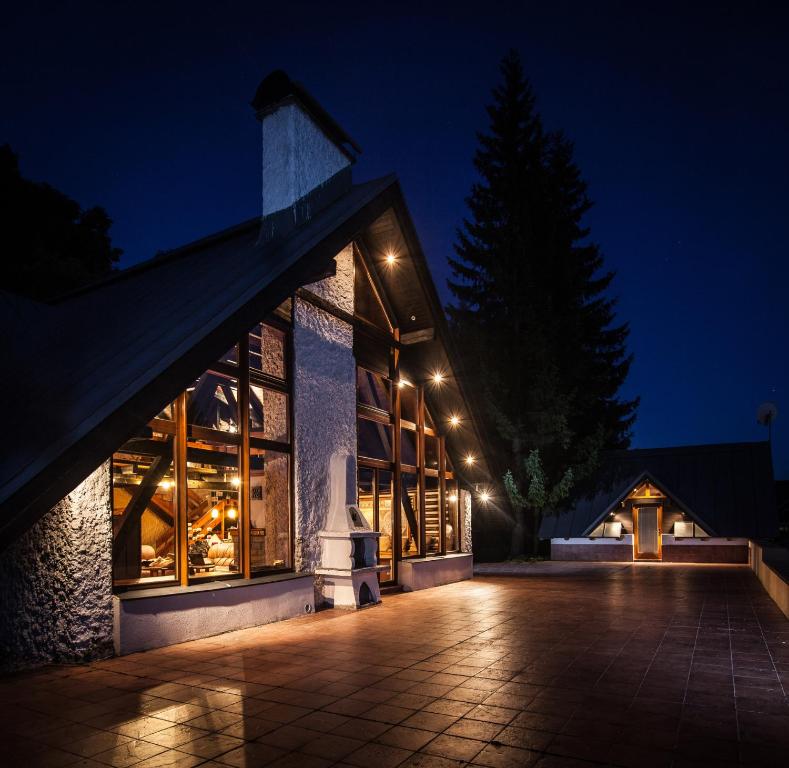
727 488
91 369
665 489
86 372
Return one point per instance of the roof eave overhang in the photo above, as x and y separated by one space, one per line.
43 486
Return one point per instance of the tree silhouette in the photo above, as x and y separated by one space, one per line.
532 317
50 244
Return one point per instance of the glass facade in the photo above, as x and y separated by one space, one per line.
412 469
202 493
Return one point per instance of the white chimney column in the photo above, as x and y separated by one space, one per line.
298 157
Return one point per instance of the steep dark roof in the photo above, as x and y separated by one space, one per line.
727 488
83 374
277 87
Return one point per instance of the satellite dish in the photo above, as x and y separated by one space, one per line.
766 414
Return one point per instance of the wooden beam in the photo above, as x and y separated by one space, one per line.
126 539
418 337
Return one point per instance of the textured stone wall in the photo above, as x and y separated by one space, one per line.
56 596
324 404
465 507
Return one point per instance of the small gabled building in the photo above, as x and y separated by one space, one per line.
693 504
192 435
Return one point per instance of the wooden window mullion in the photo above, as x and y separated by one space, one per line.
442 494
181 491
243 496
420 460
397 542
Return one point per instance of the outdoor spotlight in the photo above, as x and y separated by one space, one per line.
454 421
166 484
231 513
484 497
214 513
236 481
390 258
438 377
470 459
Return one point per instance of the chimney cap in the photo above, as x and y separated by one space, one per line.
277 88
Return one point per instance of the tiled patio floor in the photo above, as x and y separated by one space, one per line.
627 666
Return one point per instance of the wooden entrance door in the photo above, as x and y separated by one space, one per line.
647 523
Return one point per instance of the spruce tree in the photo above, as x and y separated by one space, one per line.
532 315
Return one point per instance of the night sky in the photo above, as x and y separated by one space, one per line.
680 120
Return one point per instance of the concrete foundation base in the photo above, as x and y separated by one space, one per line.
426 572
351 589
155 618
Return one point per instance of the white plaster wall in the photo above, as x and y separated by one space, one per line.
159 620
465 507
324 405
297 158
56 596
428 572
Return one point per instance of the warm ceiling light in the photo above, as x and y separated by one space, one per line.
454 421
484 497
390 258
231 513
215 513
470 459
438 377
236 481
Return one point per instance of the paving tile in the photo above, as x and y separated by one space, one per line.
250 756
331 746
501 756
455 747
378 755
430 721
171 758
211 746
406 738
686 665
474 729
129 753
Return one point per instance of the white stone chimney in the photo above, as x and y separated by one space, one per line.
307 156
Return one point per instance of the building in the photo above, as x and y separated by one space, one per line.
692 504
189 434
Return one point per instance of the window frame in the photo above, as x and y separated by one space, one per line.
243 441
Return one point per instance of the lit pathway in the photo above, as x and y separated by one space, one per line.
572 666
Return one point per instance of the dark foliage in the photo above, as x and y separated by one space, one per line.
50 245
531 313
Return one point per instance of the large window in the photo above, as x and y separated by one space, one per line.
412 470
204 492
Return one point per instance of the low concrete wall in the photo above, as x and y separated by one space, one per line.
155 618
426 572
767 563
597 550
708 550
